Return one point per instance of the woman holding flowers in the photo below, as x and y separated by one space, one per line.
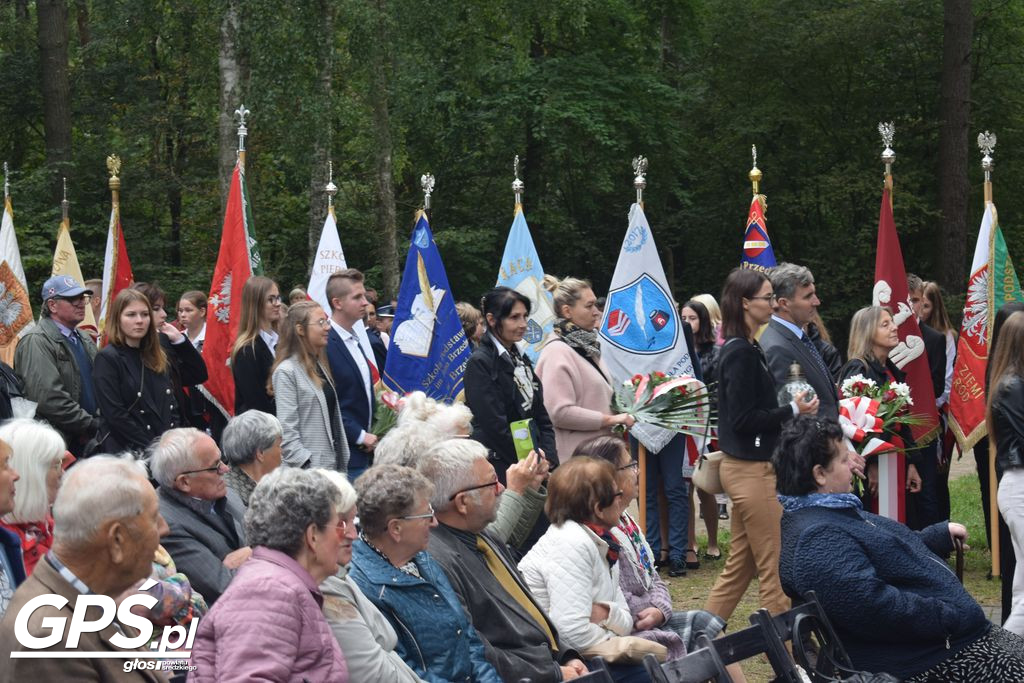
749 422
873 334
1006 428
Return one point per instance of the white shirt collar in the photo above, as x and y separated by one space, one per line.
789 326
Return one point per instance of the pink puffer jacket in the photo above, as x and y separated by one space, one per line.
267 626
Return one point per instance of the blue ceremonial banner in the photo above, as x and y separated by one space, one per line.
428 350
521 270
757 247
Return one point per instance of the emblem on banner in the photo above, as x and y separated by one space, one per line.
640 318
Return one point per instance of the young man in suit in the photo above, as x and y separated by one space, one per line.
785 340
353 367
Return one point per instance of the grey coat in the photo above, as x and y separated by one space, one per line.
48 370
199 542
305 421
782 348
514 642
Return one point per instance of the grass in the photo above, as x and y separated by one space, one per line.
691 591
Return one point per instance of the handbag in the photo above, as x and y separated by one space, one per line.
705 473
626 650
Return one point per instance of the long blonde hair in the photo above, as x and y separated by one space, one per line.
939 318
1007 361
862 330
254 296
295 345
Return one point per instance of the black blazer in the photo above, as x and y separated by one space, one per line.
749 416
874 370
136 404
352 398
935 347
251 370
782 348
492 396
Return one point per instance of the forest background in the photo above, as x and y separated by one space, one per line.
391 89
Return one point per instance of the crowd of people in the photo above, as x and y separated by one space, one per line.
307 544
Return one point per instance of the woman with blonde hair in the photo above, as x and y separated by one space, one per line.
132 373
253 353
577 384
472 322
301 383
37 455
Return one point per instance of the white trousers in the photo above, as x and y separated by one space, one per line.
1011 505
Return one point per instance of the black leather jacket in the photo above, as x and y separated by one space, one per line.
1008 422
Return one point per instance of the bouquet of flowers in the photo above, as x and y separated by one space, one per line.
389 403
871 415
680 404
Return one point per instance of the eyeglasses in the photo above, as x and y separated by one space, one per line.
324 323
494 483
425 515
632 465
75 300
766 297
215 468
274 299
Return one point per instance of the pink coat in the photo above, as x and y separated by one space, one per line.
576 396
267 626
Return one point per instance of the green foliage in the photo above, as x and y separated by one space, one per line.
575 88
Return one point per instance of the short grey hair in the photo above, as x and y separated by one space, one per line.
405 444
449 465
173 454
786 277
284 504
35 448
347 494
388 491
248 433
101 488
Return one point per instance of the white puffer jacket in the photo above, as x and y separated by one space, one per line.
567 573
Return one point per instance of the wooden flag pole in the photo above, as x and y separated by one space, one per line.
987 143
641 500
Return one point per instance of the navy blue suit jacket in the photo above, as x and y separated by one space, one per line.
352 400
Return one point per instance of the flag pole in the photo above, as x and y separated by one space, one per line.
640 183
987 143
114 167
755 176
7 183
64 202
427 184
242 113
517 187
107 288
886 130
331 189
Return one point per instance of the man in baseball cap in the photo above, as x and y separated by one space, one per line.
54 362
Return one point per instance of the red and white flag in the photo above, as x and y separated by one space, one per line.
117 269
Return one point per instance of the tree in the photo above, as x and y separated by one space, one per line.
52 18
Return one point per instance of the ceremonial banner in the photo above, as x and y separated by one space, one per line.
65 262
429 350
234 267
891 290
521 270
757 248
641 331
993 282
117 269
14 300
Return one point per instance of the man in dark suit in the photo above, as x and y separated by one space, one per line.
207 538
785 340
97 550
929 503
353 367
519 638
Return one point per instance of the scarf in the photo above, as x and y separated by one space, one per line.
605 534
583 342
629 527
825 500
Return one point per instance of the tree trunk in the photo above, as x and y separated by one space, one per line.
323 139
82 19
230 95
386 211
954 185
53 66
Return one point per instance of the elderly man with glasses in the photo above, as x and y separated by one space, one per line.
519 638
54 362
207 539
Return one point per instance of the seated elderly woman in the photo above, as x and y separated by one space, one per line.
268 625
573 570
895 605
366 637
646 593
391 567
251 445
37 456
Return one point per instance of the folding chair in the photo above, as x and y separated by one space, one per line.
599 673
760 638
703 664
